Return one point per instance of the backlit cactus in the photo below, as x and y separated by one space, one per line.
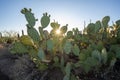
75 31
33 33
59 50
41 33
69 34
118 22
97 26
26 40
45 20
105 21
63 29
29 17
44 34
55 25
91 28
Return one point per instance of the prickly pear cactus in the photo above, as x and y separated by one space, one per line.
89 50
45 20
29 17
64 29
50 44
41 33
91 28
67 71
69 34
26 40
55 25
76 50
67 47
105 21
97 26
96 54
104 56
46 34
32 32
118 22
18 48
76 31
41 54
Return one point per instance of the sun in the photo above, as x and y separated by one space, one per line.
58 31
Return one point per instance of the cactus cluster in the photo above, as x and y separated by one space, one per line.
90 51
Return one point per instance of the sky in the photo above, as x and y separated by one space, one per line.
71 12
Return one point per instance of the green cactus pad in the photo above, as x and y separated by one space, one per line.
97 26
26 40
104 56
97 55
67 71
45 20
18 48
64 29
76 50
91 28
67 47
41 33
105 21
69 34
32 32
46 34
118 22
29 17
55 25
89 63
50 44
41 54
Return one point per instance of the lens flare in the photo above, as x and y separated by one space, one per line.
58 31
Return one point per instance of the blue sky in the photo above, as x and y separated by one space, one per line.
71 12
